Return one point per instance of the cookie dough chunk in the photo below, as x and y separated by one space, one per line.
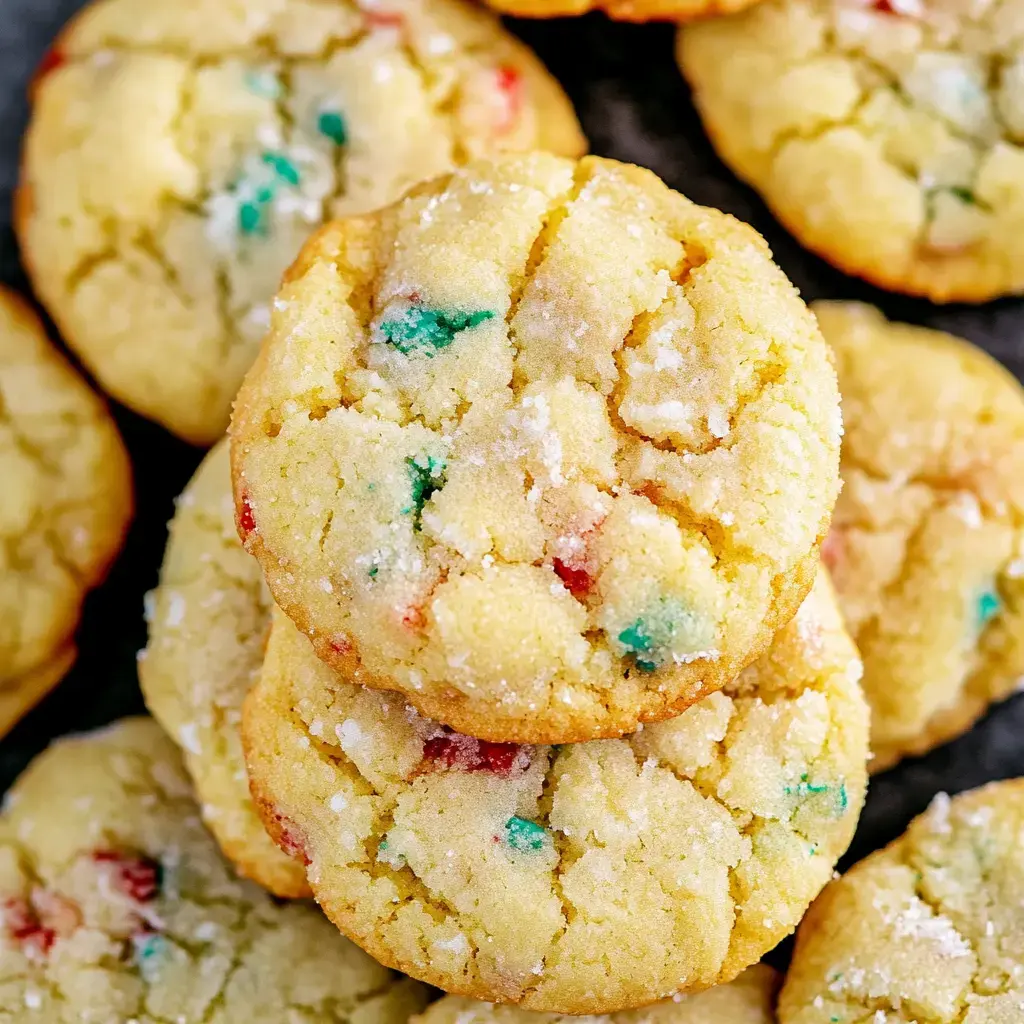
929 929
927 541
625 10
544 446
887 135
116 906
208 622
181 152
65 504
747 1000
587 878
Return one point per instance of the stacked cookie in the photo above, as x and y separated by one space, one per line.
504 726
555 708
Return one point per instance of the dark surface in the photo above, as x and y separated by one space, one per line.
635 107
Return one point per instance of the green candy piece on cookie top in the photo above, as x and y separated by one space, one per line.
428 331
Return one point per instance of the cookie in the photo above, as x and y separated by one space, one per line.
747 1000
65 504
625 10
928 929
586 878
887 135
208 621
181 152
544 446
927 542
115 906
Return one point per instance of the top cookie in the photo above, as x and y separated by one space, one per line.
625 10
747 1000
65 503
544 446
181 151
115 907
927 542
888 136
929 930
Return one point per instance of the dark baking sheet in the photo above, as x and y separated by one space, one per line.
634 106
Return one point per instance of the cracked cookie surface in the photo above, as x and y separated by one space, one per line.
208 622
116 906
927 542
544 446
887 136
929 930
65 503
585 878
747 1000
181 152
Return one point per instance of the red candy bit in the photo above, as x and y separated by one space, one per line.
340 645
137 877
574 570
246 520
453 750
832 550
23 925
414 618
383 19
56 912
577 579
510 85
52 59
289 840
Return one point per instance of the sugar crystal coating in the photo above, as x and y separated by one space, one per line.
928 929
584 878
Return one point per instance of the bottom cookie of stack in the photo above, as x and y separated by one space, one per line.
584 878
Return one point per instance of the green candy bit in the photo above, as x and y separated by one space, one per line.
667 631
965 195
804 788
386 856
426 475
263 83
636 638
843 799
638 641
147 950
250 219
331 124
372 572
283 168
987 608
418 329
525 835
